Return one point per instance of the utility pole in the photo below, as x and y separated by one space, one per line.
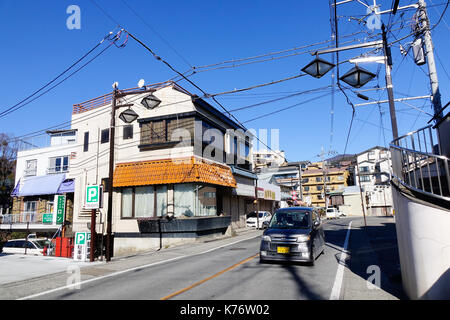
389 86
360 191
425 27
300 181
112 135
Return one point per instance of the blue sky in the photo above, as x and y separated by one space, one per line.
37 46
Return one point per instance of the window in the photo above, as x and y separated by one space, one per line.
128 132
305 180
58 164
30 206
104 136
31 167
86 142
365 178
141 202
184 198
319 188
318 179
364 169
340 178
194 200
306 188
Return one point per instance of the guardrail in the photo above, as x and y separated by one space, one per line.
417 165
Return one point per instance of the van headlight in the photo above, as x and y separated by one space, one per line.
266 238
303 238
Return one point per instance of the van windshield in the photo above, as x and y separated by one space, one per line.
253 215
41 243
290 219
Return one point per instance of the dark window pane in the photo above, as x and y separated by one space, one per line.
104 136
128 132
86 142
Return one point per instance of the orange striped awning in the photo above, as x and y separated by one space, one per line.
170 171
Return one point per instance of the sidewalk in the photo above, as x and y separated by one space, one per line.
373 251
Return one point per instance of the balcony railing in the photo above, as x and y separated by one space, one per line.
416 165
24 217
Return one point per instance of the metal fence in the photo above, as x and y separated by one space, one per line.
24 217
417 164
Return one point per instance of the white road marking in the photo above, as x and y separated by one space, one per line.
74 285
336 291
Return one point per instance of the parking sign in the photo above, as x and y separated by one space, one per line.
94 196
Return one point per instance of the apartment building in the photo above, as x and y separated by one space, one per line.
268 159
318 179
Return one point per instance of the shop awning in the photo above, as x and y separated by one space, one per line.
169 171
39 185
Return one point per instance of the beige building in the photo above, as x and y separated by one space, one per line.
318 179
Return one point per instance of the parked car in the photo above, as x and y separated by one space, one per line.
252 220
34 246
332 213
293 234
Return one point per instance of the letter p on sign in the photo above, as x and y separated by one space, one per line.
92 197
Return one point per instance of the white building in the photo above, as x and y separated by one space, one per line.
268 158
182 157
374 169
42 168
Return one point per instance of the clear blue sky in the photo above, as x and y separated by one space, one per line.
37 45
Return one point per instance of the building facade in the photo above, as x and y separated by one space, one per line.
42 169
181 158
373 175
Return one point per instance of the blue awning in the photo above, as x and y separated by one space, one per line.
67 186
40 185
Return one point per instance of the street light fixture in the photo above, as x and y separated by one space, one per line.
357 77
128 116
318 67
150 101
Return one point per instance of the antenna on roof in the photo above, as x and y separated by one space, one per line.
115 85
141 83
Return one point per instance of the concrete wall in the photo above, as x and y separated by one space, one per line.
424 246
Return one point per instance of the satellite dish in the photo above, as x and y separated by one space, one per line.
141 83
115 85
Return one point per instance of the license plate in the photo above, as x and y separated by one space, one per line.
282 249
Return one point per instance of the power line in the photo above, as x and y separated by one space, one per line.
24 102
157 33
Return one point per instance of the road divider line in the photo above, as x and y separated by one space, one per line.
209 278
78 284
336 291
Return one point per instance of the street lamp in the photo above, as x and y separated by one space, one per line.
128 116
150 101
357 77
318 67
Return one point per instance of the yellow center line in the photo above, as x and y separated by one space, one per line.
209 278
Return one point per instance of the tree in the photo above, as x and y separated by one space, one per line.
8 153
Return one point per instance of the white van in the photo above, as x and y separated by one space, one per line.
332 213
34 246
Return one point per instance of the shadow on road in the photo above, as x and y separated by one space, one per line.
373 245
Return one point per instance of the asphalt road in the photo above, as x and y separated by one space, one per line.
232 272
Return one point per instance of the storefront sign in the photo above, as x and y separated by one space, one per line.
260 193
59 209
269 195
47 218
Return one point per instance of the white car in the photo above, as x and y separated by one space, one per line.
34 246
262 216
332 213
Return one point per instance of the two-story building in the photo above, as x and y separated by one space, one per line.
181 158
